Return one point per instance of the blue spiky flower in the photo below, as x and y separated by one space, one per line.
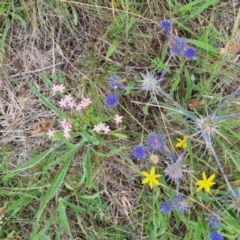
177 46
190 53
215 236
139 152
180 203
155 142
213 220
166 26
111 100
114 82
166 207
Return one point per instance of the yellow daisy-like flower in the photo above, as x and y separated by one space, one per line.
151 178
206 183
182 143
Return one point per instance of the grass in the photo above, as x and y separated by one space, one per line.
89 186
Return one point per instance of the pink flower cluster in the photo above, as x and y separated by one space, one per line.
83 104
67 127
67 100
101 127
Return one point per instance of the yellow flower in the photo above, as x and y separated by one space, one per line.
205 183
182 143
151 178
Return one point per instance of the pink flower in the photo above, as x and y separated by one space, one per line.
1 84
79 107
71 104
66 124
50 133
83 104
66 133
68 98
101 127
67 127
62 103
106 129
58 88
86 101
118 119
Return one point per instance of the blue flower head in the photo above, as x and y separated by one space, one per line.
111 100
181 203
213 220
155 142
139 152
215 236
166 26
114 82
166 207
177 46
190 53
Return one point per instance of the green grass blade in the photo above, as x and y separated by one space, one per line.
32 162
63 217
57 182
47 103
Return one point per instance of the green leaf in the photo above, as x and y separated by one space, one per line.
4 34
75 15
56 182
63 217
112 48
119 135
204 45
87 167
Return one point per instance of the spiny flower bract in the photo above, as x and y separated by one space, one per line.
215 236
155 142
111 100
235 203
174 171
139 152
148 83
165 207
